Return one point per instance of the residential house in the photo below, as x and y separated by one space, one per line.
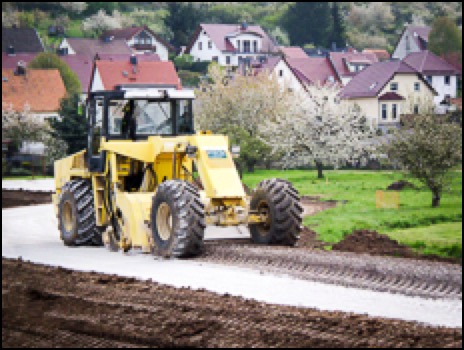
386 90
141 39
382 55
91 47
348 64
296 73
230 44
21 40
38 91
111 75
413 39
440 74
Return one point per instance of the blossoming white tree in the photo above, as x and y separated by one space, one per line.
321 130
310 126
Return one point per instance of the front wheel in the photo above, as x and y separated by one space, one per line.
177 220
278 204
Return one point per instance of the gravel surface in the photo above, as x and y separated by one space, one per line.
30 185
53 307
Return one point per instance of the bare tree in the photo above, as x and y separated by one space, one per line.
428 147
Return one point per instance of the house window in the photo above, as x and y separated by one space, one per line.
200 46
408 45
394 111
246 46
281 73
384 112
416 86
394 86
447 80
210 44
216 59
227 59
255 46
416 109
238 45
429 79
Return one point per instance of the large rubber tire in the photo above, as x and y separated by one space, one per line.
183 236
282 203
76 215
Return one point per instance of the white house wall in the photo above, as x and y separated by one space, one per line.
206 54
287 79
65 45
438 83
160 49
400 50
97 82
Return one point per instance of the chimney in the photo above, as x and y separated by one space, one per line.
334 46
20 68
244 25
10 50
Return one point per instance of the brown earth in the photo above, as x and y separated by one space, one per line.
401 185
18 198
53 307
374 243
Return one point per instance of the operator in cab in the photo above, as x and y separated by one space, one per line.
129 122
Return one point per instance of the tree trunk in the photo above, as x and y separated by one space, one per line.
436 200
251 167
320 174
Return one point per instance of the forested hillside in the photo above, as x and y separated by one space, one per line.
359 24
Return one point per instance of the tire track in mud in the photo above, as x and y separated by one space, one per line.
47 306
384 274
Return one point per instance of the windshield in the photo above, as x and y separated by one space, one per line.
146 118
130 119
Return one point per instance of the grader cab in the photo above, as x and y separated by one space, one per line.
148 181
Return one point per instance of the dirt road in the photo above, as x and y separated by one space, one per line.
45 306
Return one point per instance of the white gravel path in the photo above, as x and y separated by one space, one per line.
31 232
30 185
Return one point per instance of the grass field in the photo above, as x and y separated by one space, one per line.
416 223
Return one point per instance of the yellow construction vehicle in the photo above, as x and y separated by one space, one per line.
135 187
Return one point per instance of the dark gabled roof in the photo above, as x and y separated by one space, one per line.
22 40
293 52
219 33
420 34
90 47
370 81
82 66
427 63
145 57
129 32
391 96
339 60
11 61
313 70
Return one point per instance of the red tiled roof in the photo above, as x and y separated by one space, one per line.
312 70
90 47
219 33
129 32
427 63
121 73
41 89
293 52
11 61
382 55
82 66
338 60
145 57
391 96
370 81
267 66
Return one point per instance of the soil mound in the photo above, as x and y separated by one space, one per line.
310 239
401 185
19 198
372 242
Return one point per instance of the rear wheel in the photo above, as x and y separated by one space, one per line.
76 215
278 204
177 220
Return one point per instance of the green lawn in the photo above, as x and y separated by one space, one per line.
29 177
357 189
